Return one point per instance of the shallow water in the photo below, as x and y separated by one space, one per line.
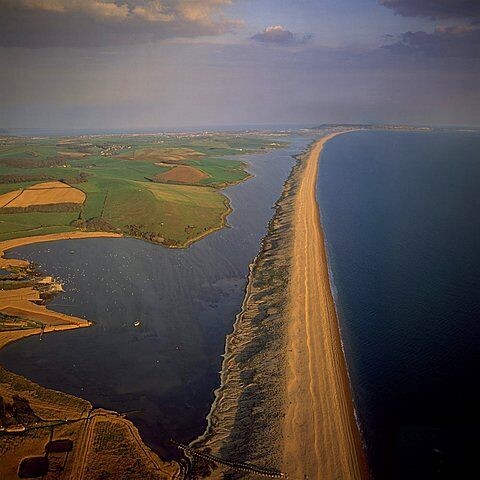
164 371
402 224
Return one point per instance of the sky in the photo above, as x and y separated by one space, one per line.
148 64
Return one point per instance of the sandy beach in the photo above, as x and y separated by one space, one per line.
320 434
285 401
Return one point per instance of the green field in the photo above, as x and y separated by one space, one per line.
122 178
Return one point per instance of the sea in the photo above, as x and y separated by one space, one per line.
401 214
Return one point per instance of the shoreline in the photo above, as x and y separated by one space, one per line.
321 435
26 302
231 425
245 422
50 237
273 298
189 243
70 322
58 407
224 217
36 318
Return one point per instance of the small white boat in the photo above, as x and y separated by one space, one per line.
137 323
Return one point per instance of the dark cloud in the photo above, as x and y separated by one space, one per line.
91 23
459 41
435 9
280 36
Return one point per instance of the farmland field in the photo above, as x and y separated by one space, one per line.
42 194
164 188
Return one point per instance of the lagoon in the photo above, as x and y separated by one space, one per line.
161 315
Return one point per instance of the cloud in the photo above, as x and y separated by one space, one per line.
279 35
90 23
94 8
435 9
459 41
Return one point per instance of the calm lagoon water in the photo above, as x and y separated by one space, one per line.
402 223
164 371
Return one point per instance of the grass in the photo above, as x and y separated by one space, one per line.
222 173
9 322
30 390
16 225
123 184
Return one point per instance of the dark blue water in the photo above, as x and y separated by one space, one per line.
401 217
163 372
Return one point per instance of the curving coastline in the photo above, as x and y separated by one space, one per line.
242 424
26 302
252 419
51 237
51 410
284 401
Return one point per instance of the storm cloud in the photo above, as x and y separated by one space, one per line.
435 9
459 40
279 35
443 42
92 23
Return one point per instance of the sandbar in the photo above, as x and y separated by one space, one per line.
321 438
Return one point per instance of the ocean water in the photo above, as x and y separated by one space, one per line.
163 372
401 213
